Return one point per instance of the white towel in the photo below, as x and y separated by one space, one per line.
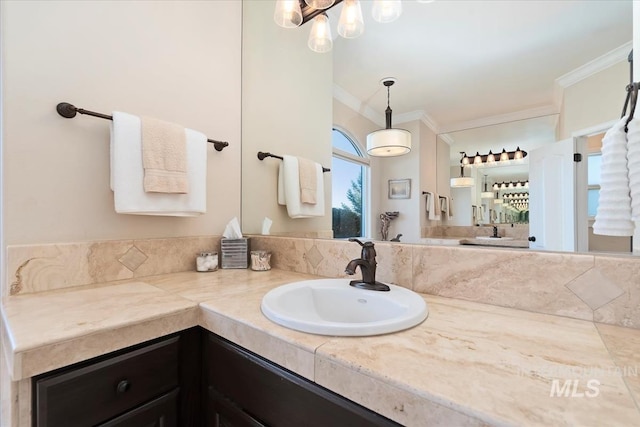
282 199
633 164
433 212
291 182
613 217
480 215
127 175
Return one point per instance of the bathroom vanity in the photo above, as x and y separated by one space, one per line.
467 364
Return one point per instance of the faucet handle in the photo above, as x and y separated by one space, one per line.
364 245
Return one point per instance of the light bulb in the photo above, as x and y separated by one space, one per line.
386 10
351 24
288 13
320 35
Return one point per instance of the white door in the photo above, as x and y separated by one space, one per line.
552 197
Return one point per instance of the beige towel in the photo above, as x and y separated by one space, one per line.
164 157
308 181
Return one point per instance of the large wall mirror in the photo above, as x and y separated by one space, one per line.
472 75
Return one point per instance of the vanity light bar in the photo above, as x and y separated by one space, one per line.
510 185
492 158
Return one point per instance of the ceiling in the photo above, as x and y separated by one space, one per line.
459 62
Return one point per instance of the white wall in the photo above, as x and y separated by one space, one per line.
176 60
286 109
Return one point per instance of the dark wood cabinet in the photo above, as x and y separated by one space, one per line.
190 379
242 389
155 383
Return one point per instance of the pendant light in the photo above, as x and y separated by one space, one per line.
462 181
320 35
288 13
486 194
388 142
384 11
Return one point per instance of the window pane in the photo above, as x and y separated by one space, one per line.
594 162
593 195
341 142
347 198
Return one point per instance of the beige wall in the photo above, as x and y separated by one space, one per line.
178 61
286 109
594 100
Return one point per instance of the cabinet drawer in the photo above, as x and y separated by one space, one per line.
95 392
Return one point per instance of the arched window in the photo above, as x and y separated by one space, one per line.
348 178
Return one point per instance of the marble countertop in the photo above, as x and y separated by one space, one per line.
467 364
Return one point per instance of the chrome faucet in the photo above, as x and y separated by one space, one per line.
495 231
367 263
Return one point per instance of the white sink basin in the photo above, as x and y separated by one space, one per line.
332 307
493 238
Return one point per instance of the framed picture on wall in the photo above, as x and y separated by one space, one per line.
399 188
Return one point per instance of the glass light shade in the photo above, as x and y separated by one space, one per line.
487 195
526 184
351 24
504 156
388 142
320 4
288 13
518 154
465 160
320 35
386 10
462 181
491 158
496 186
477 160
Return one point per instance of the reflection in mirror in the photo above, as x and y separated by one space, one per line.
500 192
554 67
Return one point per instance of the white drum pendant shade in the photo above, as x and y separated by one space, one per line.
462 181
389 142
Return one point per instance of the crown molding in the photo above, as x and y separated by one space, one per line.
446 138
592 67
356 105
418 115
545 110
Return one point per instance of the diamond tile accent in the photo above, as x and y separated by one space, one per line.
595 289
314 256
133 258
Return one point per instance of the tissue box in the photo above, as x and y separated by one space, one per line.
235 253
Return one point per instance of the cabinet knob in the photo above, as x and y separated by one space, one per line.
532 238
123 386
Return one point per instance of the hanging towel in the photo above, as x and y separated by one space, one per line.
613 216
282 200
429 204
451 207
292 193
480 213
308 181
127 174
633 164
164 157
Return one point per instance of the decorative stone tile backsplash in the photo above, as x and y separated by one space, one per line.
36 268
582 286
602 288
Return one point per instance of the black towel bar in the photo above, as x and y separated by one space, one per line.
69 111
262 155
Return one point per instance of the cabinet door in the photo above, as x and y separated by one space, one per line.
222 412
160 412
272 394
